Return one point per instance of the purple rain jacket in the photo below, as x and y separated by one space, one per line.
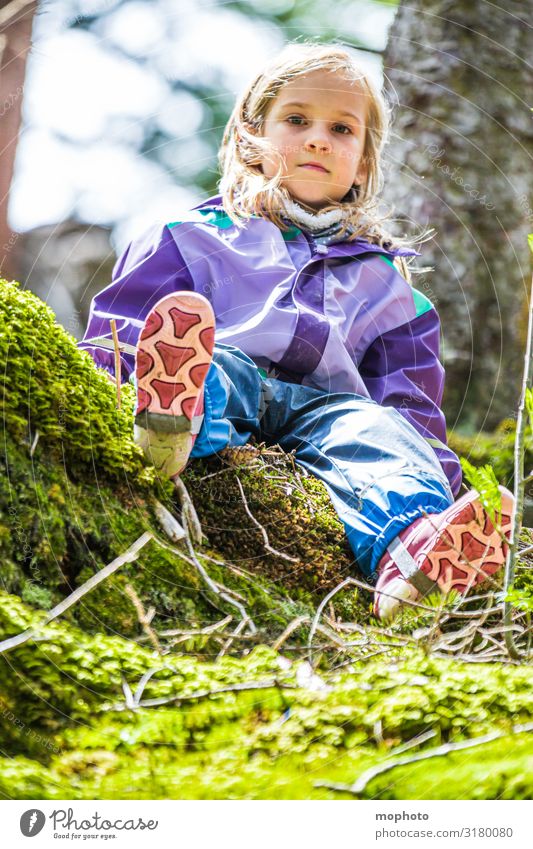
336 317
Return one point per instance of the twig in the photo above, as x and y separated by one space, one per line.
291 627
518 507
209 629
213 586
34 443
241 573
118 367
144 618
272 683
359 786
127 557
128 695
231 638
321 607
261 528
189 515
227 468
132 700
168 522
141 686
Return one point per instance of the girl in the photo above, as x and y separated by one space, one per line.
277 311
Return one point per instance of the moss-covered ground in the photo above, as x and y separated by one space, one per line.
77 718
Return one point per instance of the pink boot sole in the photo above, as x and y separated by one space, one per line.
468 548
173 357
453 550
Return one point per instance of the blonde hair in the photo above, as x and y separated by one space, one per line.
245 189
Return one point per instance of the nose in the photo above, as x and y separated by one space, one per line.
317 141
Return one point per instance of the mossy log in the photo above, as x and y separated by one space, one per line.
75 493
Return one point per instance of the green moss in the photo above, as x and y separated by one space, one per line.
51 387
268 743
81 499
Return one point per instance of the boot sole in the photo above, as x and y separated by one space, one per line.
174 353
468 549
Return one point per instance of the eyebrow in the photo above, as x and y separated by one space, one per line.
304 105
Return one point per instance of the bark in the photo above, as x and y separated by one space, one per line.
460 161
16 18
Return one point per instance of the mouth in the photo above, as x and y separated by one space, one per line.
314 166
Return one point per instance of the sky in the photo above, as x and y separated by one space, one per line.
89 96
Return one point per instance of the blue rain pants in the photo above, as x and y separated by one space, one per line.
380 473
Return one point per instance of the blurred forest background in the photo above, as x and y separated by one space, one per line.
111 113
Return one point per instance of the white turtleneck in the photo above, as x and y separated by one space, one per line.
313 221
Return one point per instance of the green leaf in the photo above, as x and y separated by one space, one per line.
521 599
529 406
484 481
530 242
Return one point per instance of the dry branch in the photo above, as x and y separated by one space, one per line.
358 787
128 556
264 534
273 683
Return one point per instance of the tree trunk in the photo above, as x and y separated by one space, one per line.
16 18
460 161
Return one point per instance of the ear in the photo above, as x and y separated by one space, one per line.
361 173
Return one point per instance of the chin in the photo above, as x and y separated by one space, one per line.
316 206
312 202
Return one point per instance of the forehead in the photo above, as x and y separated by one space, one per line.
324 89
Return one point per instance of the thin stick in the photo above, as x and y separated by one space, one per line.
359 786
321 607
271 684
263 531
118 366
189 516
291 627
213 586
34 443
144 618
139 690
168 522
518 509
209 629
127 557
231 638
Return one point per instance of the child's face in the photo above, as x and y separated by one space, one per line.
316 126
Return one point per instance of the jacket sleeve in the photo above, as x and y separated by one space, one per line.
150 268
401 369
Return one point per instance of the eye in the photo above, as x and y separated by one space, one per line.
343 129
297 120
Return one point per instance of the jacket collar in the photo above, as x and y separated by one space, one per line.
335 249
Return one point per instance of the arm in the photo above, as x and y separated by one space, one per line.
150 268
401 369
